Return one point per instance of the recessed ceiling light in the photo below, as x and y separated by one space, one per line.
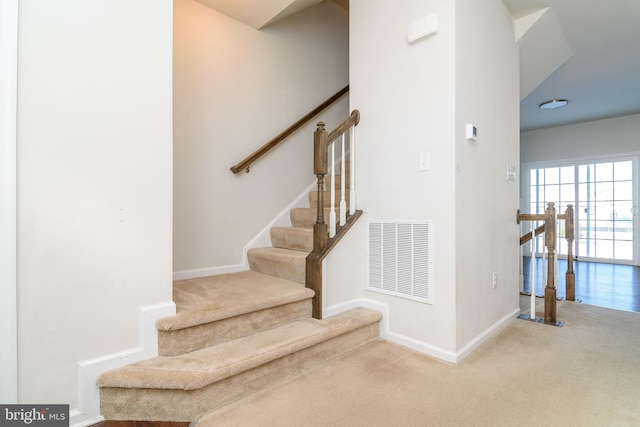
553 104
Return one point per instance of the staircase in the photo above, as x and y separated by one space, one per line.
235 334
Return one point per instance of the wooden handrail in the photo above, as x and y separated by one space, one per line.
351 121
246 163
527 237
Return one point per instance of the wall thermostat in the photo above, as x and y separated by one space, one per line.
472 132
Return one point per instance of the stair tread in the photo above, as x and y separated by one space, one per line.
285 253
208 299
294 238
200 368
293 229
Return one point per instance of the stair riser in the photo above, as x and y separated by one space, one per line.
326 202
337 184
292 239
189 405
306 217
173 343
289 269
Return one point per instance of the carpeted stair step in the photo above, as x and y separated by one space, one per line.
215 309
294 238
306 217
278 262
338 182
185 387
313 198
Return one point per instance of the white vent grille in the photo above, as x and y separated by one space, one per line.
400 259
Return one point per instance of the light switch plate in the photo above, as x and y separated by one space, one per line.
424 161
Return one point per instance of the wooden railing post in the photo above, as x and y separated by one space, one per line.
320 169
550 243
313 274
570 277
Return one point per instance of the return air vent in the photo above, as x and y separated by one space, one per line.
400 259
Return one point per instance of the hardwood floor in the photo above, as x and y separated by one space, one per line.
605 285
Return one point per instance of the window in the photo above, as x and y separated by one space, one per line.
606 205
603 197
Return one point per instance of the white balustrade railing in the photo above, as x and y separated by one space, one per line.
347 181
352 171
532 312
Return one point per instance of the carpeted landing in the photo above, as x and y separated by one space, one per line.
233 335
586 373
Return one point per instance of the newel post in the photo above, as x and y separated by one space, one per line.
320 169
570 281
550 243
313 264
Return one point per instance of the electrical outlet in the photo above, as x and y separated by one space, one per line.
494 278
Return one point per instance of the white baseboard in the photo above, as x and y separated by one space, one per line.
422 347
211 271
403 340
88 411
78 419
485 335
418 345
385 331
342 307
382 308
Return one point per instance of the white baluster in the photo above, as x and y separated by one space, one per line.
332 212
352 174
544 264
343 201
521 267
555 260
532 314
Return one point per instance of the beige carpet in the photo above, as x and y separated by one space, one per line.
586 373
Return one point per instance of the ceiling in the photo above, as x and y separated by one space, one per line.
585 51
601 73
260 13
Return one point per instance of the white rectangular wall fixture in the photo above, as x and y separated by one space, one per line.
422 28
471 132
424 161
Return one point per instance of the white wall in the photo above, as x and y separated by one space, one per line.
94 182
234 89
418 98
345 271
599 138
8 142
486 233
405 94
